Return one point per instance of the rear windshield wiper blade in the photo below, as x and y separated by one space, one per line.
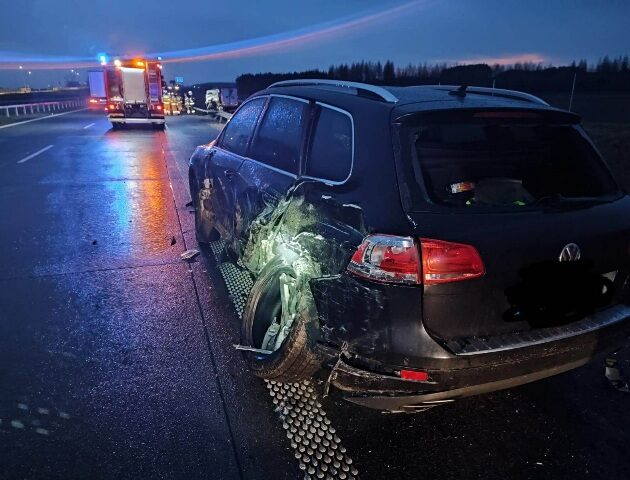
561 201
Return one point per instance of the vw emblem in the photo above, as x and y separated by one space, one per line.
570 253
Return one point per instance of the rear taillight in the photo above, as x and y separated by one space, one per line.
415 375
444 262
112 106
393 259
387 258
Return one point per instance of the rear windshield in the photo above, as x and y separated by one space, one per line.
495 163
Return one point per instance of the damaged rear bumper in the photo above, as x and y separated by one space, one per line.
461 376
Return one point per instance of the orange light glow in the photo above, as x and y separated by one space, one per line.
139 64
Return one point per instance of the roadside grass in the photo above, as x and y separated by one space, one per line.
613 141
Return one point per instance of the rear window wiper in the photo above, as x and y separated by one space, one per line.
559 201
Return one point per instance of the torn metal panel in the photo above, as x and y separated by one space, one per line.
206 210
302 233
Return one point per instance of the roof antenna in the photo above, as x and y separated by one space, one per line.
460 92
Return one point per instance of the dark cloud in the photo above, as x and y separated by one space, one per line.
445 30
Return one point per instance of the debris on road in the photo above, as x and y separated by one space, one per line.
245 348
173 240
189 254
94 242
614 375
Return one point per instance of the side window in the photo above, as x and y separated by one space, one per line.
241 126
279 139
330 156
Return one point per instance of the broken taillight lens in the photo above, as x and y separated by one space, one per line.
444 262
387 258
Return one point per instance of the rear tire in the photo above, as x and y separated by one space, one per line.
159 126
296 359
116 126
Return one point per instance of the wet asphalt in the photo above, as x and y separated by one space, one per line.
116 357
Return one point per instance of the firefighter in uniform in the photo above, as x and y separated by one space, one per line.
189 102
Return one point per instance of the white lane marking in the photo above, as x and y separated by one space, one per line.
41 118
33 155
88 126
17 424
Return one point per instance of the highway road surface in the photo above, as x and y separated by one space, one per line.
116 357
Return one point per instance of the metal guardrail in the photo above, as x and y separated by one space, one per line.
39 107
224 115
218 114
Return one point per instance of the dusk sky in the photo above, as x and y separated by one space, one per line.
285 35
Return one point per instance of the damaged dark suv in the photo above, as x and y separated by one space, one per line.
424 243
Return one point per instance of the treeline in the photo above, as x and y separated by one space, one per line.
609 74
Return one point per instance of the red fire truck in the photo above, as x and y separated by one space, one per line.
134 93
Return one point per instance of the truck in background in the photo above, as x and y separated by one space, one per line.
229 98
98 96
134 93
213 100
221 99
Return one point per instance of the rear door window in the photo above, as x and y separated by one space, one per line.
331 150
241 126
278 142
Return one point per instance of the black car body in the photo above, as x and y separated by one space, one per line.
428 243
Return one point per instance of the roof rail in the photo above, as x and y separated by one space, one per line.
361 88
501 92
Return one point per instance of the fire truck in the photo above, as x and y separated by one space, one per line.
134 93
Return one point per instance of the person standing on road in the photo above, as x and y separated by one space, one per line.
189 102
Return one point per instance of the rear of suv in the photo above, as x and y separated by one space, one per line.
423 243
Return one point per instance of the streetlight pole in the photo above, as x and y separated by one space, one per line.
21 68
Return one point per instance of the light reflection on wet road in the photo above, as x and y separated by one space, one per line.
116 358
100 324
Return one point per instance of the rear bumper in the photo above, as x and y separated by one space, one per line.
156 120
457 376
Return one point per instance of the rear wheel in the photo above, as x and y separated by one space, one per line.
159 126
116 126
280 317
